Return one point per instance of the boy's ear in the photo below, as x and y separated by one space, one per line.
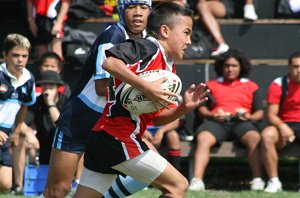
164 31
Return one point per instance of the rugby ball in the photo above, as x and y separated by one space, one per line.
136 102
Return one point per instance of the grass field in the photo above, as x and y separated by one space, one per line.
152 193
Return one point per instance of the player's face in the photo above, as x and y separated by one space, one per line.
50 64
231 69
179 37
136 17
294 70
16 60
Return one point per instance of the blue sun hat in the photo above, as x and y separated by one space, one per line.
123 4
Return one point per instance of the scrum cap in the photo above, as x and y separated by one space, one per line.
122 5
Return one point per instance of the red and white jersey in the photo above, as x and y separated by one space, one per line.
140 56
241 93
290 110
46 7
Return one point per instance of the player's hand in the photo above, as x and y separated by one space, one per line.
56 29
49 95
195 96
157 95
3 138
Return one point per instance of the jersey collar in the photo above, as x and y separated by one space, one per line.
16 83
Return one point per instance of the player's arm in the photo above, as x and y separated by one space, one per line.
60 17
286 133
20 117
30 18
101 76
193 97
272 115
101 86
152 90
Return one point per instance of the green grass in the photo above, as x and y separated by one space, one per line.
152 193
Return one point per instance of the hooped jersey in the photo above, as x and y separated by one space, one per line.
140 56
84 107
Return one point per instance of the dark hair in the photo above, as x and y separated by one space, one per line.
165 14
50 55
293 55
239 56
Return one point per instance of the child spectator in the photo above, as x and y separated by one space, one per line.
17 92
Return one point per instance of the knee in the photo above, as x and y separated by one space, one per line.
268 137
181 187
205 139
5 186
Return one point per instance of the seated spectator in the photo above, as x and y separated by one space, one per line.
249 11
209 11
283 114
45 112
171 137
233 109
17 92
40 118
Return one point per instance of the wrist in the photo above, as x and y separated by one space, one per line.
50 106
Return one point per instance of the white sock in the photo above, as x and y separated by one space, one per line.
274 179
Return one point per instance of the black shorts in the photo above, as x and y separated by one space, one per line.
227 130
104 151
45 25
5 156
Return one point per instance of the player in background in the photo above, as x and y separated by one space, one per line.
87 101
115 146
46 20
